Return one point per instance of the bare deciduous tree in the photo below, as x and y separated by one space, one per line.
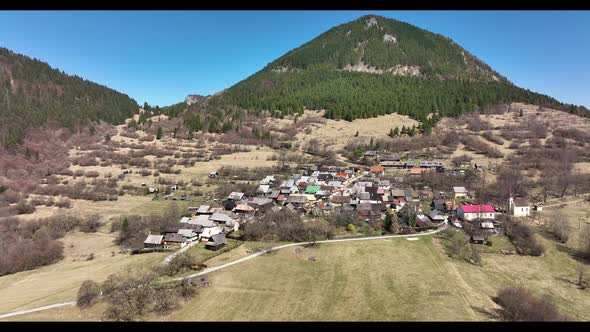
518 304
88 293
559 225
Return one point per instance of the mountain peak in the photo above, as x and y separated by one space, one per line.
380 45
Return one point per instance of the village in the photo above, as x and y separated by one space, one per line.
316 191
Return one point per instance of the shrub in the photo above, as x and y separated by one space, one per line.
164 301
492 138
460 160
11 196
91 224
185 289
91 174
518 304
523 239
351 228
342 218
87 161
147 138
64 203
179 263
559 226
585 242
24 208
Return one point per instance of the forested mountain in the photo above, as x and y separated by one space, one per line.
32 93
365 68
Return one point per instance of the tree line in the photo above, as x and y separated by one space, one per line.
32 93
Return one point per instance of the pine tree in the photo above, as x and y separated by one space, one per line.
396 132
159 133
124 233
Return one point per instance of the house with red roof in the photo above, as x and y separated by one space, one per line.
342 175
377 170
473 212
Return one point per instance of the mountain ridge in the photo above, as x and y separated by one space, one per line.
421 74
33 93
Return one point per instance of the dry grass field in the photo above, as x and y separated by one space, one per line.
336 134
551 118
59 282
376 280
255 158
392 279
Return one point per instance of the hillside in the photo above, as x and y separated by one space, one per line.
32 93
377 44
366 68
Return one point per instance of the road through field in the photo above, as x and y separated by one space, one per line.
238 261
243 259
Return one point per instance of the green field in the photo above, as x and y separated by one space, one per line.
392 279
374 280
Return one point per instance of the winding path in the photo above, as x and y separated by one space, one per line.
243 259
237 261
28 311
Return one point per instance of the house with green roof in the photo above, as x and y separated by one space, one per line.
312 189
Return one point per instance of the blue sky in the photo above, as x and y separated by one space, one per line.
160 57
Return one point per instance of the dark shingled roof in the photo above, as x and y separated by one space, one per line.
173 237
521 202
338 199
216 239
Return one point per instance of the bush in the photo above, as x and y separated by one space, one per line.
91 224
179 263
456 244
11 196
164 301
559 226
129 298
64 203
185 289
460 160
24 208
286 226
342 218
28 247
87 294
91 174
492 138
351 228
523 239
518 304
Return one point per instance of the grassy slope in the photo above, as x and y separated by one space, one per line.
393 281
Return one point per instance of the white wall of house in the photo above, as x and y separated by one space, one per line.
521 211
472 216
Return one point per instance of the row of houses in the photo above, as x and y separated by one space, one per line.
205 224
323 190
